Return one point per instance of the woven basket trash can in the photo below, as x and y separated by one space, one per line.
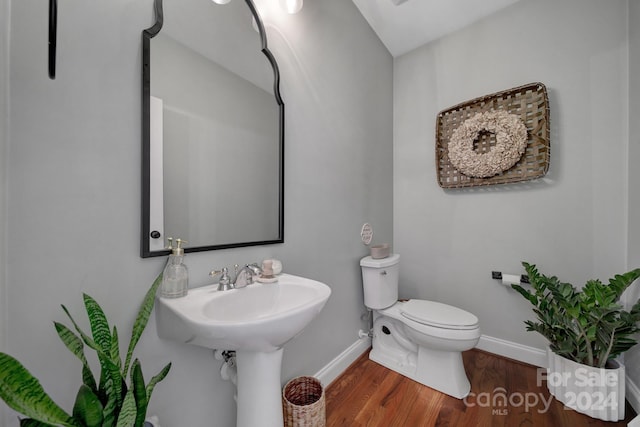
303 403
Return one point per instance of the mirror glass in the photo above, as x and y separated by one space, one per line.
212 129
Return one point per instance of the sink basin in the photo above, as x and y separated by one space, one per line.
255 321
259 317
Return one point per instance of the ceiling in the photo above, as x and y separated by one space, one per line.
403 25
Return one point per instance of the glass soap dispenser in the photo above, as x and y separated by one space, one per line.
175 279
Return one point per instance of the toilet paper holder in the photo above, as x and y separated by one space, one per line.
497 275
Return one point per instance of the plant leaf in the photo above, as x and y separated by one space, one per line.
127 415
156 379
620 282
139 392
75 345
102 337
23 393
115 348
141 320
87 407
110 408
99 324
30 422
110 371
525 293
588 325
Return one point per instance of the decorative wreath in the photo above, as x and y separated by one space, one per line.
511 142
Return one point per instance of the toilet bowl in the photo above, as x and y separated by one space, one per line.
419 339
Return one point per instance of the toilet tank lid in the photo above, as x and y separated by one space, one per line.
380 262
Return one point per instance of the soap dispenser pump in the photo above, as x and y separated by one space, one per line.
175 279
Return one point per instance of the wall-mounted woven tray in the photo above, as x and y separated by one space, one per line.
531 103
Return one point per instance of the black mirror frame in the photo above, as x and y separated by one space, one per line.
147 35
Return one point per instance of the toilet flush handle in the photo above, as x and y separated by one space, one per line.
383 273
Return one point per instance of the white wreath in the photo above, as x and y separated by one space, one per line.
511 142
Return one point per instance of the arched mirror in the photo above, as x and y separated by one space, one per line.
213 124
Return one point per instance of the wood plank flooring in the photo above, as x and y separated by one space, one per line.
368 394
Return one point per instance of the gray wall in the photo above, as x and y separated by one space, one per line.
4 122
572 223
74 192
632 358
4 94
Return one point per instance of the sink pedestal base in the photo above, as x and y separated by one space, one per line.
259 389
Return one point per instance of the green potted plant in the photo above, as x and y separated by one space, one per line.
586 329
120 396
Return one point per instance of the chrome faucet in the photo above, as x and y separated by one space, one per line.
243 277
246 275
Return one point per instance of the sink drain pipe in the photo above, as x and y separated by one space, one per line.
228 370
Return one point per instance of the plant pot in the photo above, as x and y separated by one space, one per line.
596 392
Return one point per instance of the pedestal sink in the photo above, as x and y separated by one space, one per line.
255 321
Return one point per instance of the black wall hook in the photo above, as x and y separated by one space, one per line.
53 35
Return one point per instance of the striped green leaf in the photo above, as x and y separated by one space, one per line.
139 392
99 325
87 407
156 379
142 319
23 393
110 408
110 371
75 345
115 349
127 417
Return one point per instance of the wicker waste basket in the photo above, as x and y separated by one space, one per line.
303 403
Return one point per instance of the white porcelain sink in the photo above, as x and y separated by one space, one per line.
255 321
259 317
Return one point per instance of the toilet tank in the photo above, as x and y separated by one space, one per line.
380 281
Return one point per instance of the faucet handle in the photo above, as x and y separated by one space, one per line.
225 281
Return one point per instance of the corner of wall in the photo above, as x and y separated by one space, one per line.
340 363
633 396
4 135
5 9
633 194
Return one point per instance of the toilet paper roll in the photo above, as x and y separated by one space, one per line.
510 279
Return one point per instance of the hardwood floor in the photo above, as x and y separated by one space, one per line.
368 394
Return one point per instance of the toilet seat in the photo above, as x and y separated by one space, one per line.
444 332
438 315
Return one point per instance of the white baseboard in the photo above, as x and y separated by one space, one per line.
633 397
634 422
338 365
531 355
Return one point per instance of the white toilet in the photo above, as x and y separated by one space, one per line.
419 339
